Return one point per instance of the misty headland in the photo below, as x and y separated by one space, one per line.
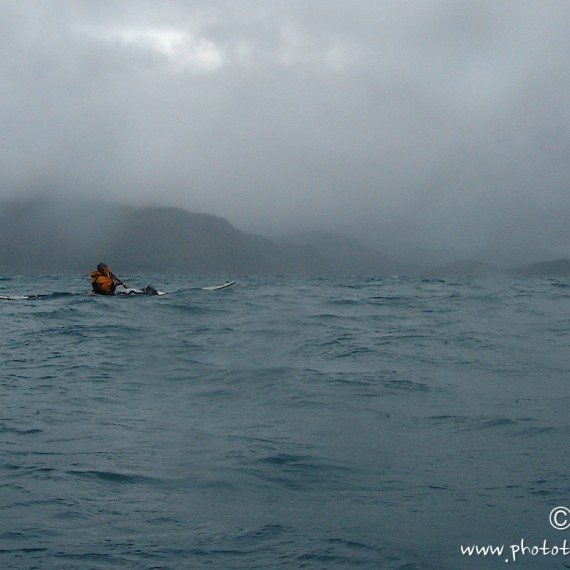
45 235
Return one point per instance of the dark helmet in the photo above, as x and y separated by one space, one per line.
102 268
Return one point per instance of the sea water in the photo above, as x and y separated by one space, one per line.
379 423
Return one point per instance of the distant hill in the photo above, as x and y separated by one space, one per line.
467 268
554 268
171 239
48 236
346 256
42 236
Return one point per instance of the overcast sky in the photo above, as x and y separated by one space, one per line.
406 123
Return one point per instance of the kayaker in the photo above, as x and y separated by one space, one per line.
103 281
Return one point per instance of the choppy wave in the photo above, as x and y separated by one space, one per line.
281 423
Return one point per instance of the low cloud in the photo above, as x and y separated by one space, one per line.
424 125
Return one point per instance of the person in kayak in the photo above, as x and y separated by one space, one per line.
103 281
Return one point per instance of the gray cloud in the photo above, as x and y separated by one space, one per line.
420 124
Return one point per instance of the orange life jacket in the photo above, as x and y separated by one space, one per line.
102 284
